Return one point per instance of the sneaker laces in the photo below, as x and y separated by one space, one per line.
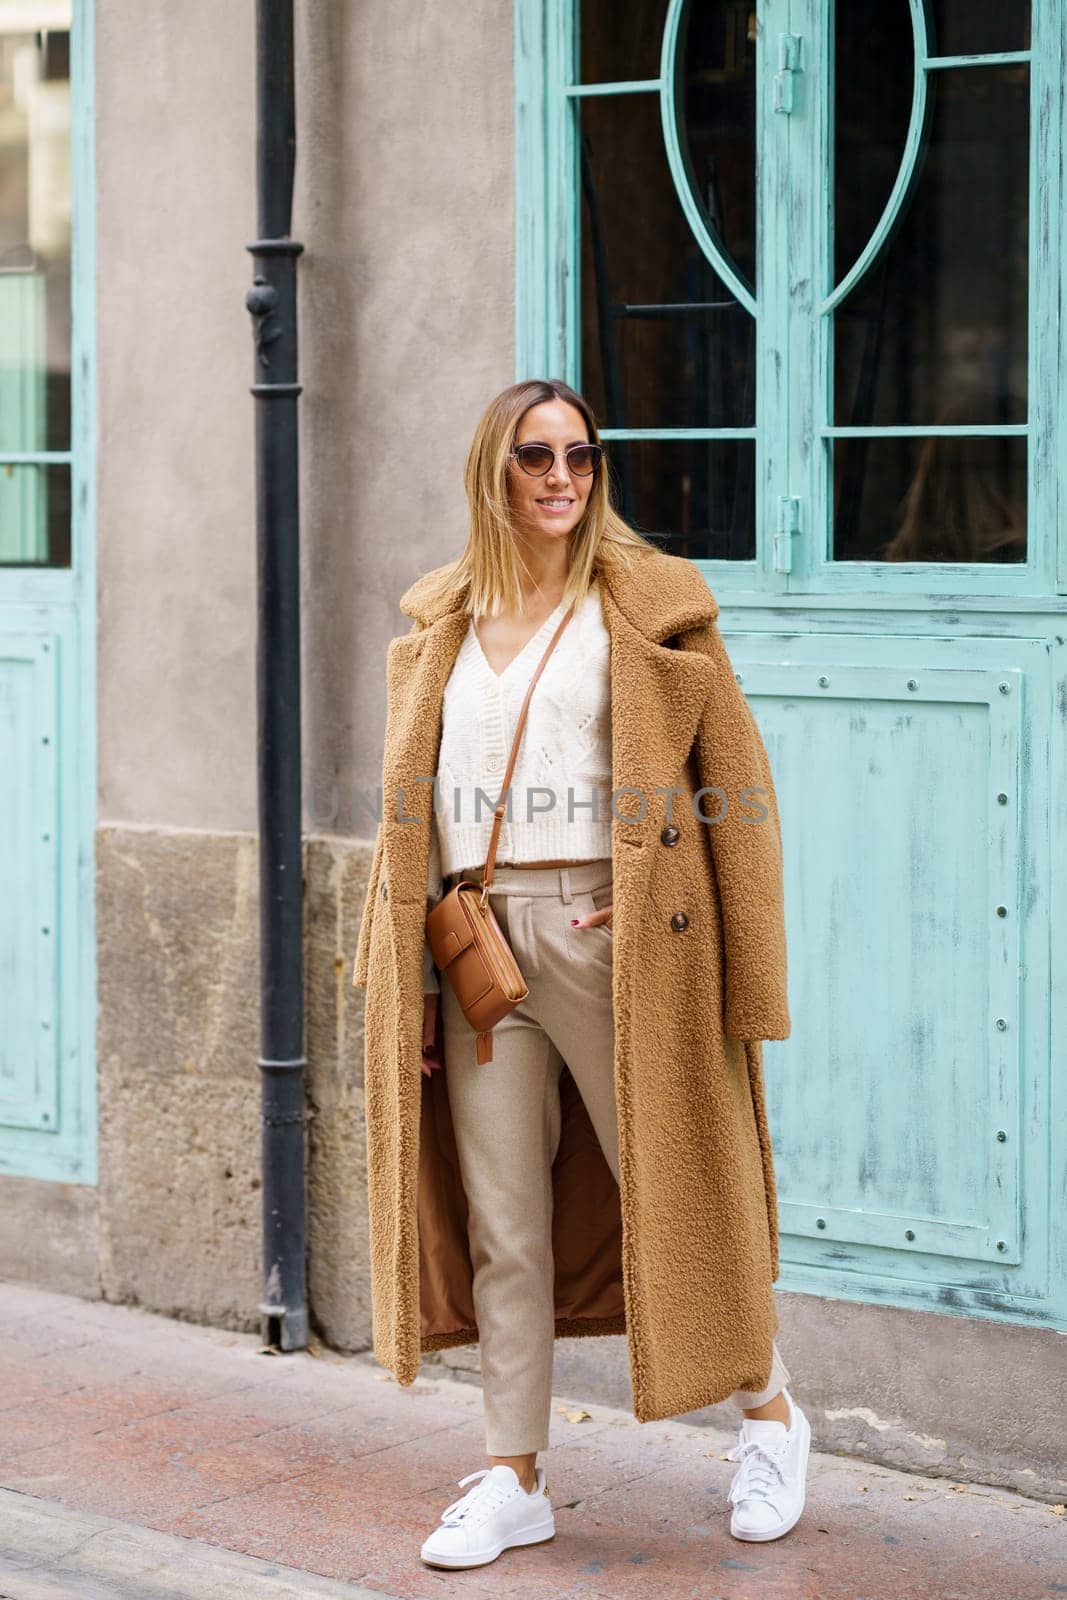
484 1497
760 1472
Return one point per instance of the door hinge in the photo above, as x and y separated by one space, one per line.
787 525
788 72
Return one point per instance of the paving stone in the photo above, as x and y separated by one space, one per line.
325 1466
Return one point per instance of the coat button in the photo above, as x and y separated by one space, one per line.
385 891
679 921
493 763
670 834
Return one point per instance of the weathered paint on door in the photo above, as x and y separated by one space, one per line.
911 690
47 599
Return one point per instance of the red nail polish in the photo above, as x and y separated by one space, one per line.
574 922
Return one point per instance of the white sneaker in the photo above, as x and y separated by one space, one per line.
767 1492
489 1518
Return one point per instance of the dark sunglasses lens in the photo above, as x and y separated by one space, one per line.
535 458
584 458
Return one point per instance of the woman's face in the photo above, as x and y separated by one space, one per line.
550 507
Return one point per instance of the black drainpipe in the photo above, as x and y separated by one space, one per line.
272 303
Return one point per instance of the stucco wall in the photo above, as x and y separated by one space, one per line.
404 205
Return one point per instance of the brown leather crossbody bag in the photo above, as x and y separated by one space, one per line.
466 941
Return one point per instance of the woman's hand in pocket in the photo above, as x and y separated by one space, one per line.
430 1055
595 919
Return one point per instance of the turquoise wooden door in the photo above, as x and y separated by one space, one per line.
47 588
803 259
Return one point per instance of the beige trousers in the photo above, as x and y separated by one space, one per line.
506 1115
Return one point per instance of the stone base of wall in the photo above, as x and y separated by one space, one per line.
175 1225
49 1235
180 1203
964 1398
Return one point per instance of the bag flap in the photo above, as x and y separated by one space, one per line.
449 926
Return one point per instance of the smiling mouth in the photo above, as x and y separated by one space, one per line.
558 502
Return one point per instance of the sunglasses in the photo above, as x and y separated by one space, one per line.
536 459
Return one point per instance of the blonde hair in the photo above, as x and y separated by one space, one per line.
486 575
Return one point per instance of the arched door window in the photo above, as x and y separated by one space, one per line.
801 259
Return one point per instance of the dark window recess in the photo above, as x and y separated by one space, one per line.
665 343
935 499
936 330
978 27
694 497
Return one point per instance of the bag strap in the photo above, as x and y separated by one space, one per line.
501 806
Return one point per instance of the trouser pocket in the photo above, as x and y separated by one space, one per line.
594 942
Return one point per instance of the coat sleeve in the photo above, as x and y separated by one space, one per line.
747 852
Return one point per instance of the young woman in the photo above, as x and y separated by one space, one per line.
609 1168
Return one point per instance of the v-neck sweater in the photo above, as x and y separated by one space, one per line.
560 791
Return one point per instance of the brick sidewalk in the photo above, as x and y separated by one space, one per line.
325 1465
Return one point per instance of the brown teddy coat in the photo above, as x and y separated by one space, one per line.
682 1253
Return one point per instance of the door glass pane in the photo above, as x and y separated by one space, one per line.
717 125
872 105
934 499
695 497
665 343
35 516
975 27
936 329
35 256
620 43
939 320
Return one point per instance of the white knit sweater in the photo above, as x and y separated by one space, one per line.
560 805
